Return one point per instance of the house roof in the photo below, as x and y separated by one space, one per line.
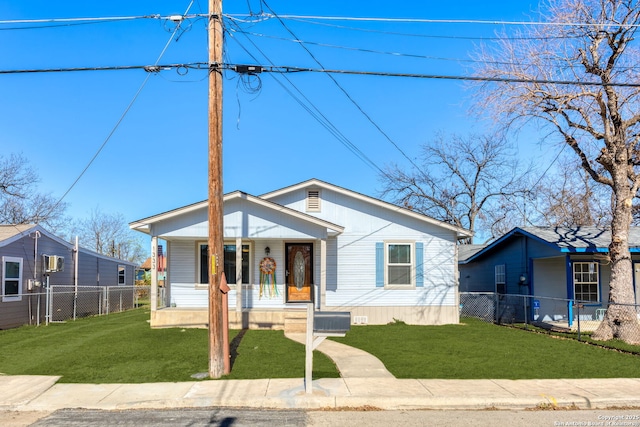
467 251
565 239
144 224
10 233
461 232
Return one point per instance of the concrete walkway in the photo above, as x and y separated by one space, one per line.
350 361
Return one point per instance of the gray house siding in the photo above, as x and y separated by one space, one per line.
23 309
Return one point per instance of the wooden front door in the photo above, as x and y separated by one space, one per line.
299 272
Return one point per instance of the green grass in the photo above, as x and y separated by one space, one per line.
122 348
477 350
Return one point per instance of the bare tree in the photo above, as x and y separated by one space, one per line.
569 198
20 202
459 180
109 234
579 75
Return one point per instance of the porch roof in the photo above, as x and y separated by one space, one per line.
144 225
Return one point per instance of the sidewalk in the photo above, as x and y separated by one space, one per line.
38 393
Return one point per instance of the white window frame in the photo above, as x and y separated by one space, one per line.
500 276
581 274
411 264
231 282
12 297
122 272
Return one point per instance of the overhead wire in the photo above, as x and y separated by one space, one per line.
427 36
315 112
122 116
273 15
344 91
379 52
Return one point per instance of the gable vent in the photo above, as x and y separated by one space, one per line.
313 201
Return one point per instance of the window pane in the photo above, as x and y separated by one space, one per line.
121 274
585 277
204 262
245 264
11 287
230 263
12 270
400 275
399 254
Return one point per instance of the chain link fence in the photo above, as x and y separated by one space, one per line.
554 314
67 303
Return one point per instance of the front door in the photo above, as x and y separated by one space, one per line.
299 272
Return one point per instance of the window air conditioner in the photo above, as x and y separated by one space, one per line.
53 263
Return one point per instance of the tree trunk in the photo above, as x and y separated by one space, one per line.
620 320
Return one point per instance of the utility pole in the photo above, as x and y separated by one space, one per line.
216 257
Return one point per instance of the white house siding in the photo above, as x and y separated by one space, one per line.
182 262
360 223
356 265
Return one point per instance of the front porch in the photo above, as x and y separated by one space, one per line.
291 320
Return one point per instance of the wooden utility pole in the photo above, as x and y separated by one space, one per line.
216 257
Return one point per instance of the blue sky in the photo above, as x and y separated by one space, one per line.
156 159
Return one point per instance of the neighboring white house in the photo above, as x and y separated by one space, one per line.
310 242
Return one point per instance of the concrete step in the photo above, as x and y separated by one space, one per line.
295 322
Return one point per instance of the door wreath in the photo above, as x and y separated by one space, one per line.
268 277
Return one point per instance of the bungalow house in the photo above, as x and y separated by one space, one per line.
33 258
557 266
310 242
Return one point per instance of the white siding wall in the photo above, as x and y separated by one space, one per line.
365 224
351 259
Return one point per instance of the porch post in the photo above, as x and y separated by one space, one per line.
154 273
323 273
239 277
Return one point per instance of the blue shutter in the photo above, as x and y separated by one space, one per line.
419 264
379 264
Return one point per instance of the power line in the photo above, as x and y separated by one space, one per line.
363 50
99 19
149 68
436 21
428 36
123 115
315 112
344 91
287 69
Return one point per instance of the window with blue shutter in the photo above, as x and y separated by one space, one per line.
419 264
379 264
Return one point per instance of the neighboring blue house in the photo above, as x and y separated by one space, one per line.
310 242
555 264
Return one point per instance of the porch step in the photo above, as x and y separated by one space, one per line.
295 322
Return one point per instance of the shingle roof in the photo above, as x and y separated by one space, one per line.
580 237
8 231
564 239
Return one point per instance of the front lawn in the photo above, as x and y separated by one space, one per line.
477 350
122 348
